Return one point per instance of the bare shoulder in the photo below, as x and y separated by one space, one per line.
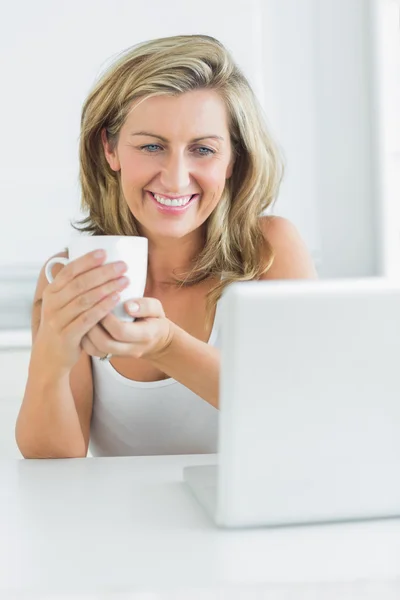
292 259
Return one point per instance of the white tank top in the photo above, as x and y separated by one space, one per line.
132 418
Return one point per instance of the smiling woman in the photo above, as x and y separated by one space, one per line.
174 148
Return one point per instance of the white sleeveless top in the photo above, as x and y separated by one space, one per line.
132 418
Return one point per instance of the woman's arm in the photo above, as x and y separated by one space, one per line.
54 418
193 363
196 364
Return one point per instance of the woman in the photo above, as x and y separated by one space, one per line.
174 148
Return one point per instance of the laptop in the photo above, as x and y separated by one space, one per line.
309 423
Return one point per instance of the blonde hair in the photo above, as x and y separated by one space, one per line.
234 244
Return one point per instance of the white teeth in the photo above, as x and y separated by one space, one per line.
172 202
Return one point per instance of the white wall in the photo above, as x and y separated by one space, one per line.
289 56
386 18
324 67
350 221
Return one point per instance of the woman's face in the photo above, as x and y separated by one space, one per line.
178 149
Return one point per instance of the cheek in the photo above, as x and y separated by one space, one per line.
135 166
215 176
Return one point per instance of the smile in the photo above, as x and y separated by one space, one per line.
172 201
172 205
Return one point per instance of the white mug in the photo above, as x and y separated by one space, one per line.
133 250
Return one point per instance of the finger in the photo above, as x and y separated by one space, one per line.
87 320
80 277
135 332
87 301
89 347
147 310
100 339
75 268
144 307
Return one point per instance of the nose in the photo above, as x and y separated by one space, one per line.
175 174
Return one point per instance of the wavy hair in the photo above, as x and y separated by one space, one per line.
234 243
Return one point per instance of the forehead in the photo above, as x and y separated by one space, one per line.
195 113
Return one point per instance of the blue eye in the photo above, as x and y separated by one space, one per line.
147 149
209 151
149 146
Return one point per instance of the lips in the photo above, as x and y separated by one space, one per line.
163 208
171 197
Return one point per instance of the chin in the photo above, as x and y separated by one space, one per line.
172 233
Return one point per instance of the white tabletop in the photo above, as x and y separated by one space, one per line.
130 525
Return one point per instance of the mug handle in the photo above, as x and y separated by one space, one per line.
50 263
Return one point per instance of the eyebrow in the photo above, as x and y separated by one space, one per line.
160 137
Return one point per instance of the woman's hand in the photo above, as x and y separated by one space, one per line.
81 295
148 336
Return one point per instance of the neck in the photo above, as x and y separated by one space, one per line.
169 257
